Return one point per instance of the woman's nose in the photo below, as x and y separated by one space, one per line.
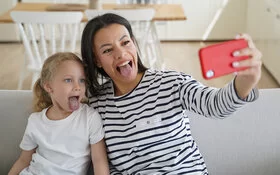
120 53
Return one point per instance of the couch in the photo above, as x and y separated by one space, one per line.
247 143
15 107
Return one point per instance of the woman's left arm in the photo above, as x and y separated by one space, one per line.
99 158
247 79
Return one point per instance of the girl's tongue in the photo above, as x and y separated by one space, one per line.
74 103
125 70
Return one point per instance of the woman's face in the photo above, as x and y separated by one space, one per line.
116 53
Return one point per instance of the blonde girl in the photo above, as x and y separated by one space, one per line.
62 134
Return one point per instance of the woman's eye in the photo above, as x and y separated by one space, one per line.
107 50
126 42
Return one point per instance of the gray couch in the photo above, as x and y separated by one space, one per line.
247 143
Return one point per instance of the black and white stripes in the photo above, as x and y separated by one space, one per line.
146 130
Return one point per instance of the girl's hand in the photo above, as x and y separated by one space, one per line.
247 79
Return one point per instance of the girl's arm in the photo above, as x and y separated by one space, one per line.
22 162
99 158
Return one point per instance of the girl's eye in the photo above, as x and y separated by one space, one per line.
68 80
82 80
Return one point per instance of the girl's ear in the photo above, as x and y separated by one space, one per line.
47 87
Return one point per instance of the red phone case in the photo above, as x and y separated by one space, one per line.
216 60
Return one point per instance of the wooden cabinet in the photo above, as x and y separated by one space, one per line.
264 26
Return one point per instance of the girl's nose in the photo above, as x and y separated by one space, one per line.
77 87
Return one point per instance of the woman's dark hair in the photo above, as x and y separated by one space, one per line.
93 72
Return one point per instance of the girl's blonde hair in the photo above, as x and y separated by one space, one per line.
41 98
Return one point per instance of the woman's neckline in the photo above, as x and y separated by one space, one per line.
119 94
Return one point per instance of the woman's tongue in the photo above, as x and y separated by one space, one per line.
74 103
125 70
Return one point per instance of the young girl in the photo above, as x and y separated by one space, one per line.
63 133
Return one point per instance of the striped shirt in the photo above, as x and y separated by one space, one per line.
147 131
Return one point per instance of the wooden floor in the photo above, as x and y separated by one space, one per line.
180 56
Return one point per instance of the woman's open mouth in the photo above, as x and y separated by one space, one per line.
125 68
124 65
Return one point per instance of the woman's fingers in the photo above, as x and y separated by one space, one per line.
247 63
249 70
252 52
247 38
253 63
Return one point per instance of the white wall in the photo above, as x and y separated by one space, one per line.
201 15
8 32
264 26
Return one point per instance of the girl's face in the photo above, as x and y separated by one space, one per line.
67 87
116 53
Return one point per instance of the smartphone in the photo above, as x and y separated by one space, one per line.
216 60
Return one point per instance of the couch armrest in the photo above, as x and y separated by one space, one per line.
15 107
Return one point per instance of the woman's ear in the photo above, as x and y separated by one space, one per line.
134 40
98 64
135 43
97 61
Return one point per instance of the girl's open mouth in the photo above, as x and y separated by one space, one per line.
74 102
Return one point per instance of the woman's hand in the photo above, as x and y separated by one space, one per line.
247 79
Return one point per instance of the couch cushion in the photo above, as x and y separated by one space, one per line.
246 143
15 107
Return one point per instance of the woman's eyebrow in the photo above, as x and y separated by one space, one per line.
103 45
123 37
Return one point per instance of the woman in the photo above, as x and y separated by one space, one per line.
144 112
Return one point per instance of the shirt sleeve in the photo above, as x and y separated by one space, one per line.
96 131
210 101
28 142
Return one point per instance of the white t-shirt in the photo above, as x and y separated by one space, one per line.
63 146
